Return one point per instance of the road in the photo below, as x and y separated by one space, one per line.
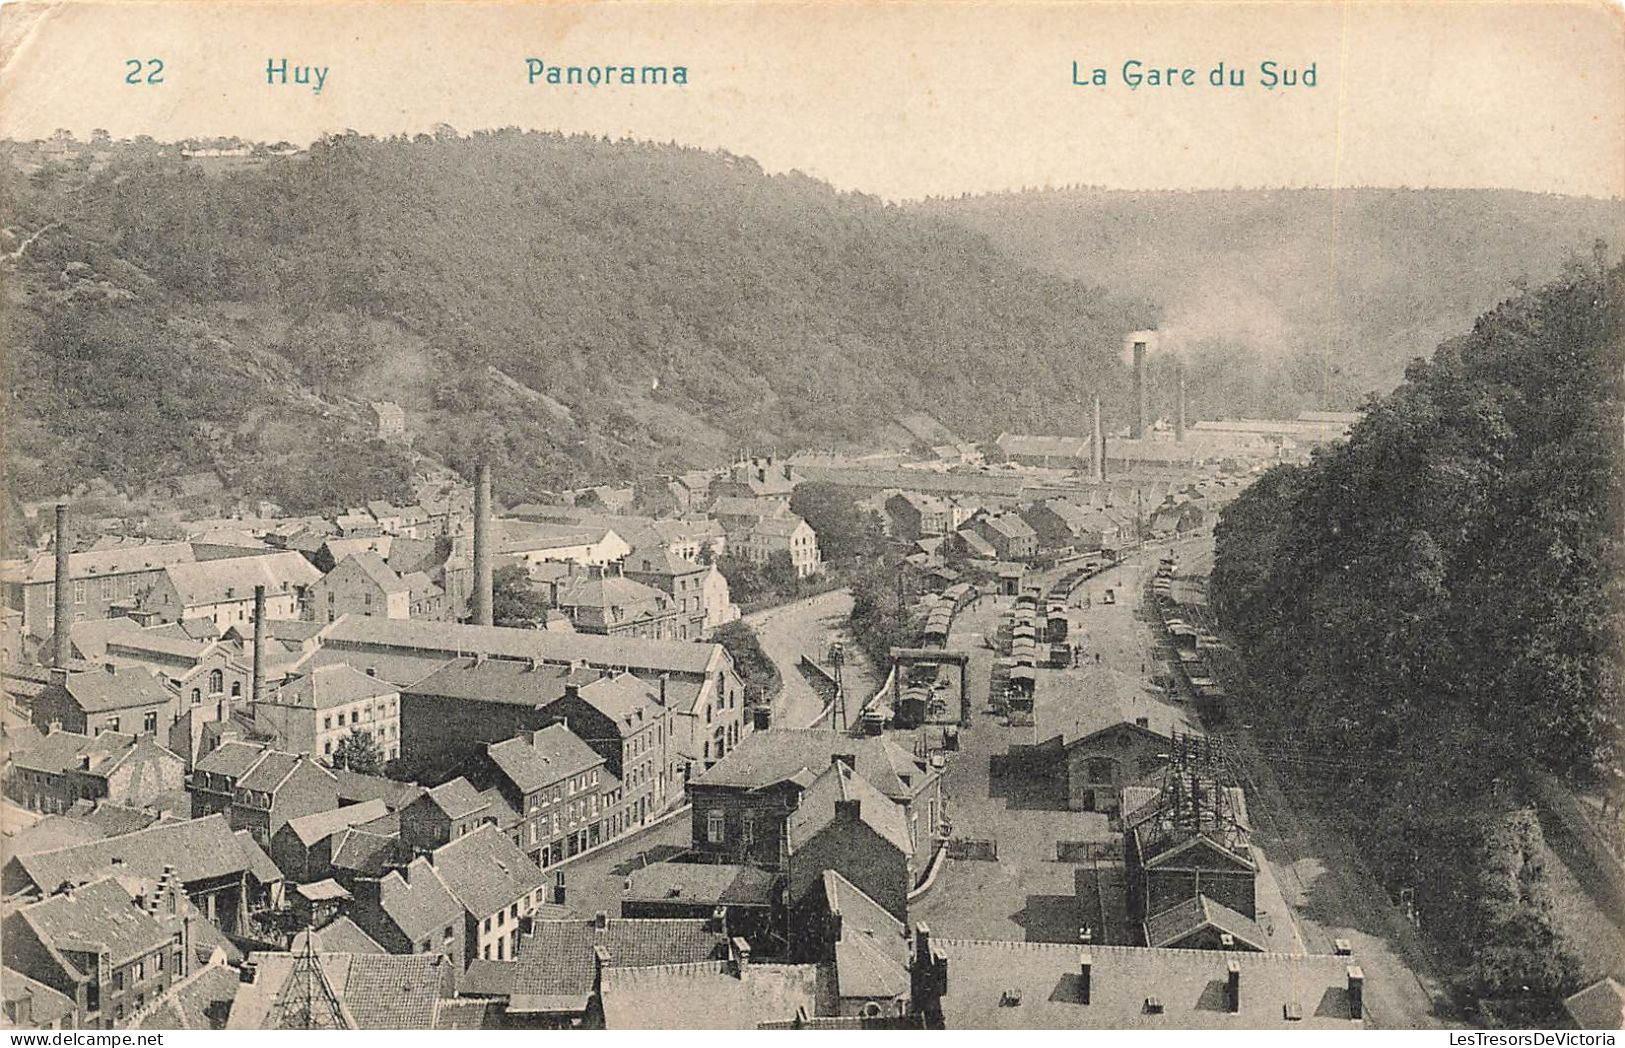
807 627
594 882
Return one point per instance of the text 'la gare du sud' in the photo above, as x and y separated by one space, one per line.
1135 74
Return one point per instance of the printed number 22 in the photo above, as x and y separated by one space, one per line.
154 75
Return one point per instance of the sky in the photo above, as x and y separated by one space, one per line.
901 100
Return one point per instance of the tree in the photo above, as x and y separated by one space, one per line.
359 752
779 574
515 600
756 670
845 533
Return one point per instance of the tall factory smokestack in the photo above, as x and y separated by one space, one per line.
1179 408
482 545
1141 408
64 591
259 644
1097 447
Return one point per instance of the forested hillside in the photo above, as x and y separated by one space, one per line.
1281 295
1431 614
591 308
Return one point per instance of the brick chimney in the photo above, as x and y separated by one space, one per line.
258 690
1141 404
482 545
1356 992
1179 407
63 591
1086 971
1232 985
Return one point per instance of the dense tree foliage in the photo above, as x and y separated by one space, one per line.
515 600
881 617
1431 611
359 752
756 671
846 534
579 309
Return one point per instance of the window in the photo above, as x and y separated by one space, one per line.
749 826
78 592
159 961
715 826
236 689
327 723
197 697
118 981
488 924
217 682
149 723
112 724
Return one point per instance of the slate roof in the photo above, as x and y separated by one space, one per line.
1034 446
556 961
355 787
200 1001
232 759
457 1014
763 759
457 799
659 560
625 699
338 684
1189 983
52 832
1600 1006
455 639
700 884
97 563
373 567
608 592
419 903
1185 919
551 754
46 1006
819 808
486 871
260 866
872 954
209 581
363 852
61 750
312 828
269 774
707 995
199 849
378 991
93 917
1105 698
515 683
115 687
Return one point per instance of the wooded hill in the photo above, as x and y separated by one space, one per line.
1280 294
1431 614
590 308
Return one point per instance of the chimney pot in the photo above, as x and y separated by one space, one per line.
600 920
